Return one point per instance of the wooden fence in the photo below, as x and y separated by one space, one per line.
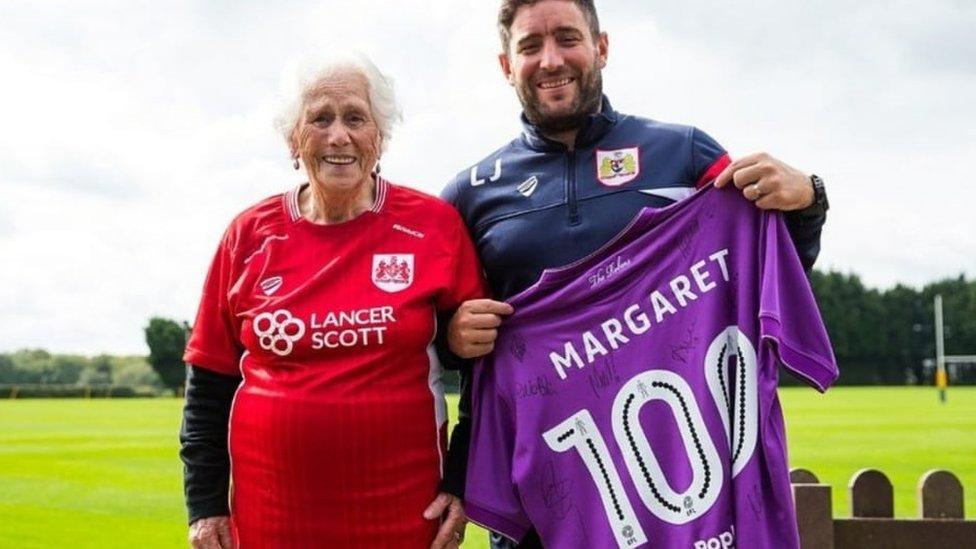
941 522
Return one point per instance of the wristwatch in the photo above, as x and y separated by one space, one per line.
820 204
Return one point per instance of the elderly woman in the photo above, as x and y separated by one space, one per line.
316 321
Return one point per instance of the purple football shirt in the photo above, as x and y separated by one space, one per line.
631 399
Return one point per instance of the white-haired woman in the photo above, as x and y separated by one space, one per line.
316 321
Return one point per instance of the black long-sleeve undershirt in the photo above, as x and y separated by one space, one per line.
203 441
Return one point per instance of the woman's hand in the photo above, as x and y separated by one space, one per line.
211 533
473 328
451 533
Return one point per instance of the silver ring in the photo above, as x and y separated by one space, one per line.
759 192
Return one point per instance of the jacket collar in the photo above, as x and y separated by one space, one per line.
594 128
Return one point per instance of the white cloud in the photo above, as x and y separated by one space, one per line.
134 131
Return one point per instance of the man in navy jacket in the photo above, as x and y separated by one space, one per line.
578 173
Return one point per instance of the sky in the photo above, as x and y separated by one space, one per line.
133 131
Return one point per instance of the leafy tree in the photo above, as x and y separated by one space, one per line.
101 366
32 365
853 315
167 339
64 369
907 330
8 373
136 374
98 371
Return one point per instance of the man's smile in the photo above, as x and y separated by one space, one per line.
553 84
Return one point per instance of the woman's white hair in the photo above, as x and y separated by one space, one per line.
382 100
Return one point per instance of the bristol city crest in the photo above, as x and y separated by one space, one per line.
392 272
614 168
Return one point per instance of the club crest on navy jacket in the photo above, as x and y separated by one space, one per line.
516 200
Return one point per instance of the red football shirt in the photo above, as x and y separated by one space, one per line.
337 432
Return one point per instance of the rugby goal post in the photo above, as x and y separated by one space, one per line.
942 360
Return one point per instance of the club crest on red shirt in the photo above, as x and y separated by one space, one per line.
392 272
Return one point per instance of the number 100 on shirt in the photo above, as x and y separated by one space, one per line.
734 392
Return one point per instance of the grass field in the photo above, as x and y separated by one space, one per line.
105 473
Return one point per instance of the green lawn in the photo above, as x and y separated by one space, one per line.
105 473
902 431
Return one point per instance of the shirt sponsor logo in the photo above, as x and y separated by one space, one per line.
527 187
617 167
271 285
358 327
278 331
411 232
392 272
725 540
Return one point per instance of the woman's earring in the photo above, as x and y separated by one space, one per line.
295 164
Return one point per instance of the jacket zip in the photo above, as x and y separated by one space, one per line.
574 216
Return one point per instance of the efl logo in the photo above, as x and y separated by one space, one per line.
392 272
278 331
614 168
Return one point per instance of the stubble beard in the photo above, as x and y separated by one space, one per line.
587 102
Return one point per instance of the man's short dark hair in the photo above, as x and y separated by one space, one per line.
506 15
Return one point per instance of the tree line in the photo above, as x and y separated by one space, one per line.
37 366
882 337
159 372
879 337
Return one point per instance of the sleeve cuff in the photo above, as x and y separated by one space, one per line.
713 170
214 363
456 465
494 522
207 509
816 371
813 215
